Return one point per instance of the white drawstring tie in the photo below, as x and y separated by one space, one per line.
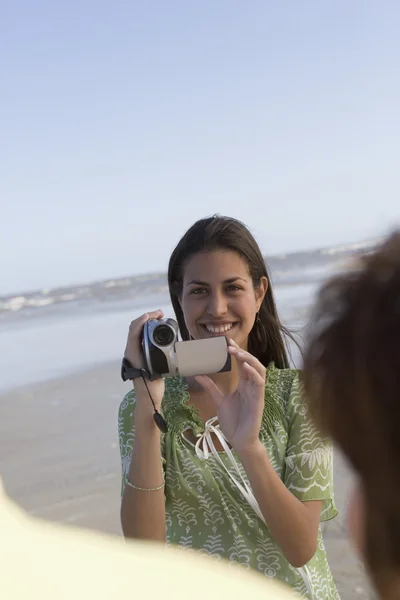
204 448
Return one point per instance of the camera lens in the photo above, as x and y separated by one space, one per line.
163 335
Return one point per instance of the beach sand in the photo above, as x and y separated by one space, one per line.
59 459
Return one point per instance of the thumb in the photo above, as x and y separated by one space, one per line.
209 386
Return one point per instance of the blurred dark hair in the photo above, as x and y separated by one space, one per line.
266 340
352 382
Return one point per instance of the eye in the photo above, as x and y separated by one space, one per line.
198 291
233 288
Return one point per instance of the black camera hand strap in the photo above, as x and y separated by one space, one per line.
159 420
130 372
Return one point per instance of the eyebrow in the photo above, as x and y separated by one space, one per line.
230 280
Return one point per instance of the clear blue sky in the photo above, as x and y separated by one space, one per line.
123 122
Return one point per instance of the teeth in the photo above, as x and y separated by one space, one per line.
221 329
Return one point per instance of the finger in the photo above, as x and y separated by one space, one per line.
243 356
240 362
253 374
209 386
140 321
156 314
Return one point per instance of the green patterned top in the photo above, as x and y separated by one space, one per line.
206 511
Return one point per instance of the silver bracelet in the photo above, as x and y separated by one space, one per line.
135 487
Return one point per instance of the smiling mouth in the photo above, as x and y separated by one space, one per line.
219 329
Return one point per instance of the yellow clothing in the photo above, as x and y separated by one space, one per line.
43 561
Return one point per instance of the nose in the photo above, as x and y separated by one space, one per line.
217 305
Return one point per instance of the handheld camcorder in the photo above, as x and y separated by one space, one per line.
165 356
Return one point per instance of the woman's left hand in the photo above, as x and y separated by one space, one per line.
240 413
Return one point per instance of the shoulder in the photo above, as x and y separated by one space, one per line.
175 389
126 408
128 401
126 412
280 384
280 379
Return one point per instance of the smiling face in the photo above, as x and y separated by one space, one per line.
218 296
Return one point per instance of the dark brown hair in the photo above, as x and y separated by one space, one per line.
352 382
266 340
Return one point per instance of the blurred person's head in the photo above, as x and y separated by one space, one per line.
352 382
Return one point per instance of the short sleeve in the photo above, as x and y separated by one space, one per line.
309 456
126 433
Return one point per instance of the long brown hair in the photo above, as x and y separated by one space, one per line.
266 340
352 382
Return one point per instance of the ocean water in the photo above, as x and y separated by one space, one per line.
53 332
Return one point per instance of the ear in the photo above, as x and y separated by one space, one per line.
260 291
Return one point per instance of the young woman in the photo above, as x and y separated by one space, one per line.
241 473
352 378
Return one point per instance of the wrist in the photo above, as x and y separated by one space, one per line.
251 452
144 394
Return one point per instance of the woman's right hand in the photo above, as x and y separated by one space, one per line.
133 352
